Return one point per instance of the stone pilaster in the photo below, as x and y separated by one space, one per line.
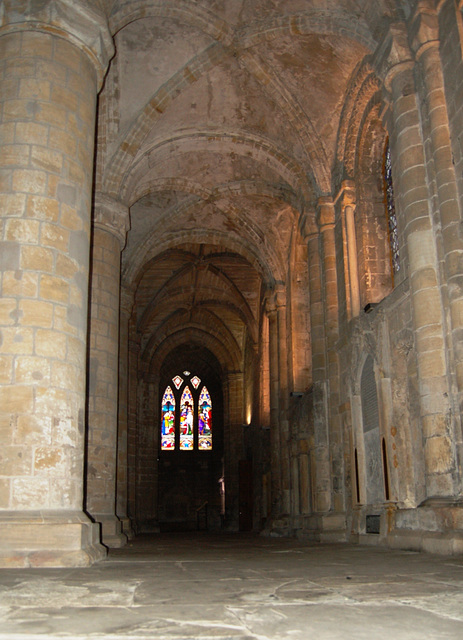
283 388
53 59
409 169
125 312
233 442
275 440
132 436
110 225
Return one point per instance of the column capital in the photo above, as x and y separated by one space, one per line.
79 21
126 302
270 302
325 212
280 296
393 55
112 216
134 346
234 375
275 299
346 195
424 33
309 227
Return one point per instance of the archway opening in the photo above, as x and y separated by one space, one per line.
190 430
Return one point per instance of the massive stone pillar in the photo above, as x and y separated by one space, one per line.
53 59
428 320
110 225
426 45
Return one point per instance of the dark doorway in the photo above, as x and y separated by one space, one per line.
245 495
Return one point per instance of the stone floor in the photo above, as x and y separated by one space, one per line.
238 587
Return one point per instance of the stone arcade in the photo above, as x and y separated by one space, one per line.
202 187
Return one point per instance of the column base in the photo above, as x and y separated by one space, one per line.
49 539
435 526
111 530
127 528
327 527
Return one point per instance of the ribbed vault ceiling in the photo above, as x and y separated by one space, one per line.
220 128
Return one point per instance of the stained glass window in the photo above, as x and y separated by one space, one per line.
391 214
168 420
186 420
186 415
177 381
195 381
205 420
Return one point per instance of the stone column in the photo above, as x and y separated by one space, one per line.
348 213
428 322
318 441
304 481
132 435
295 484
280 302
53 59
275 441
327 232
110 226
125 312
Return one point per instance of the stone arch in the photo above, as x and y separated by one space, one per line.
266 265
375 267
257 148
236 303
312 143
130 144
185 10
371 433
320 21
363 86
229 359
367 461
360 159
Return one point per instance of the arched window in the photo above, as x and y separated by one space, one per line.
390 210
205 420
168 420
186 415
186 420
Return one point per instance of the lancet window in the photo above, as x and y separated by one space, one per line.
186 415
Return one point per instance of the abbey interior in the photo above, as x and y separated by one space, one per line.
231 272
